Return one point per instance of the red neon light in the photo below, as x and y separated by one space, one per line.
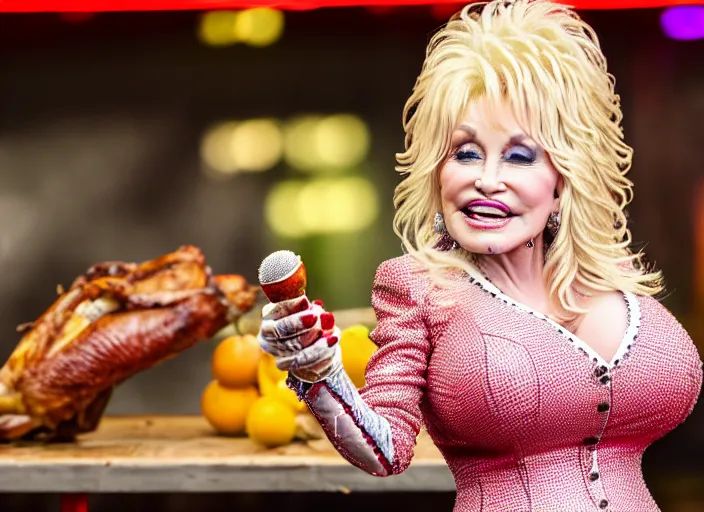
74 503
176 5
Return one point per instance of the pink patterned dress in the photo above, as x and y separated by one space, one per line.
527 416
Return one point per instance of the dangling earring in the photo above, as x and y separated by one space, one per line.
530 244
446 242
553 224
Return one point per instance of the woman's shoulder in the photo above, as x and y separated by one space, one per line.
402 274
405 265
658 320
652 309
412 268
406 276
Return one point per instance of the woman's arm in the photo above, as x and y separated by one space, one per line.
375 428
362 436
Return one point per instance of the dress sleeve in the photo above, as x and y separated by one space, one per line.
375 428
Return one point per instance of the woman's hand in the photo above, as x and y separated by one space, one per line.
302 337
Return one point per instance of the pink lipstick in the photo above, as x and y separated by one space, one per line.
487 214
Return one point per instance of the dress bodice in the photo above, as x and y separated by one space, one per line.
528 417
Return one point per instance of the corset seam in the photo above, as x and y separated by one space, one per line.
519 457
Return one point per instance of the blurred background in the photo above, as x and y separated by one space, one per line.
125 135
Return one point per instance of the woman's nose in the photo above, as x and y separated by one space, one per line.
489 181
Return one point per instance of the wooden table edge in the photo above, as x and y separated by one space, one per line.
143 455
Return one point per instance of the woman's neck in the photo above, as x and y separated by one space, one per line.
519 274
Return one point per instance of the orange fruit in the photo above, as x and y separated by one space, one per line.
271 422
272 382
356 349
236 360
226 409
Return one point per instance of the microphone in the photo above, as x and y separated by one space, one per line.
282 276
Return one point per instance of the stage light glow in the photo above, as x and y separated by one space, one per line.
281 210
300 148
217 28
699 246
77 17
259 27
340 205
342 141
254 145
256 27
443 12
296 5
685 22
317 144
297 209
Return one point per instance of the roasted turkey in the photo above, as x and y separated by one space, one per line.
114 321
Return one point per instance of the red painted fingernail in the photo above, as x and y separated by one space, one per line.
332 340
318 302
308 321
327 321
302 305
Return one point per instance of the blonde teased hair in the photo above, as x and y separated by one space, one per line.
547 63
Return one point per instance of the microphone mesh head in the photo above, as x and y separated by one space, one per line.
277 266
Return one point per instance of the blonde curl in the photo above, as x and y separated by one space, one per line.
548 64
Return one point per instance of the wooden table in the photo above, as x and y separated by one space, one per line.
182 454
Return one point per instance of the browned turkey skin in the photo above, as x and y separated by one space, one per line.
114 321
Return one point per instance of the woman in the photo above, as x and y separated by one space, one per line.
519 328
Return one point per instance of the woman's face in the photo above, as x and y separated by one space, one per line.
498 186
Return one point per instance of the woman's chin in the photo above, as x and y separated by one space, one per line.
490 243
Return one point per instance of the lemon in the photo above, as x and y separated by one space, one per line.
272 382
271 422
356 349
236 360
226 409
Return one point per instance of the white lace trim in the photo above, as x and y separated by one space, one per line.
624 347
